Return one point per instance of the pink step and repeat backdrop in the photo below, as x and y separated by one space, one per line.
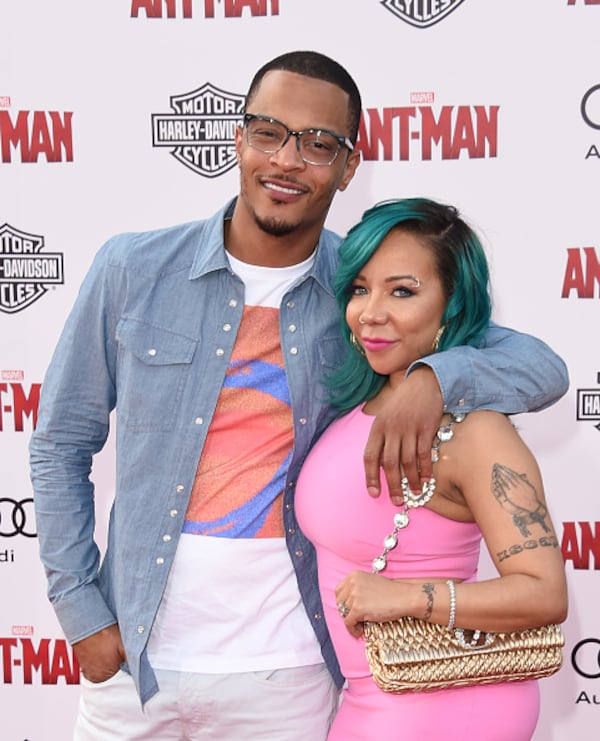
119 115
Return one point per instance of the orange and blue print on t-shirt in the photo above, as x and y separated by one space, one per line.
238 489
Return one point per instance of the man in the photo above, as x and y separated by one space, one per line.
210 340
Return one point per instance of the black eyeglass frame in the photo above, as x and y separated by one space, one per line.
342 141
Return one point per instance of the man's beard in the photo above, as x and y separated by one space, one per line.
275 227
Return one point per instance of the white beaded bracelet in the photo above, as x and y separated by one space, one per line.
452 616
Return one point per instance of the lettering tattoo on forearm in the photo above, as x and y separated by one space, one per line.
428 589
518 497
546 541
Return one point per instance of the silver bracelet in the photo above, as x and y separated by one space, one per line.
452 616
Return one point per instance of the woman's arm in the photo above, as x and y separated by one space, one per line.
502 488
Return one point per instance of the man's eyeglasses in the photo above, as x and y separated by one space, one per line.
315 146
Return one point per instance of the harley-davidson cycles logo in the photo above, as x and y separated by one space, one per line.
201 132
25 274
421 13
588 405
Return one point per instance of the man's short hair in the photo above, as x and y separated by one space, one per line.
321 67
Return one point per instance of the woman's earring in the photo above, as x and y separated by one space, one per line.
437 338
355 344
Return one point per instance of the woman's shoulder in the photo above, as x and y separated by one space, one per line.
480 443
487 421
483 433
484 436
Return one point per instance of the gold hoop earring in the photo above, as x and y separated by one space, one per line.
436 340
355 344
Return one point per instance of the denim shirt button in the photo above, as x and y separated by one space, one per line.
173 513
292 530
299 554
293 351
291 304
219 352
140 629
179 488
159 561
318 616
166 538
199 421
303 420
227 328
152 351
292 328
233 302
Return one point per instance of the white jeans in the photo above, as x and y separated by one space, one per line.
282 705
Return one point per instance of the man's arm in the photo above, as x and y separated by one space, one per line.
511 373
77 397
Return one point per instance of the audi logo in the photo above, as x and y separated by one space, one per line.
17 518
585 658
585 108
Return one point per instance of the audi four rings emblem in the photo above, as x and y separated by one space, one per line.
584 108
587 652
17 518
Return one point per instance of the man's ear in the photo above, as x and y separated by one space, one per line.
239 133
353 161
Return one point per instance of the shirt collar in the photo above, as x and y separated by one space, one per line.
211 256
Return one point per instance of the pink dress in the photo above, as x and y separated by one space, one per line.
347 527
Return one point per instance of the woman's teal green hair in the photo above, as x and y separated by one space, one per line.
461 265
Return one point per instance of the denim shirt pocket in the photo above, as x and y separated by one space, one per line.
331 352
154 367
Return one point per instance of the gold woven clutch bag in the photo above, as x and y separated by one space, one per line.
409 655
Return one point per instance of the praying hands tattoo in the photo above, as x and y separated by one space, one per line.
519 498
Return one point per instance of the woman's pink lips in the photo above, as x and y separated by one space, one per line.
373 343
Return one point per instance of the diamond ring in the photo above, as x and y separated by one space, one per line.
343 609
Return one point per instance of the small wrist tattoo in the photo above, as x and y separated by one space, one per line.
428 589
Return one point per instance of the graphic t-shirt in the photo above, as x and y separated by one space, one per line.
232 603
238 488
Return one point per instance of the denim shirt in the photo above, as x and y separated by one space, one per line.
150 336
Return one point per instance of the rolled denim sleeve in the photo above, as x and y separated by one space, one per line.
78 394
510 372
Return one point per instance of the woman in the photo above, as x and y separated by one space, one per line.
413 278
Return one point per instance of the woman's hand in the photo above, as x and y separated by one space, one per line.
370 597
373 597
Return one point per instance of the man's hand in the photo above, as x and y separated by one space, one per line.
402 435
101 654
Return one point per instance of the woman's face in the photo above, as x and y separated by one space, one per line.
396 305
